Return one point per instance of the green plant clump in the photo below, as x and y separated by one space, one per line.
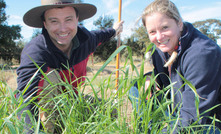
106 113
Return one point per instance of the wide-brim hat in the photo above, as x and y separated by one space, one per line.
33 16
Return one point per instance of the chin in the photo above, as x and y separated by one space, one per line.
61 43
165 50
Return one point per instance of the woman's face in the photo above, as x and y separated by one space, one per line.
163 31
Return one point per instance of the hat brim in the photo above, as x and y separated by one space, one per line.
33 17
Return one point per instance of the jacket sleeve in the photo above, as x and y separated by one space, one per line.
202 67
94 38
28 74
104 35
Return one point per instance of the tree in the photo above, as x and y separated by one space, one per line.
209 27
19 46
36 32
8 35
106 49
104 22
138 41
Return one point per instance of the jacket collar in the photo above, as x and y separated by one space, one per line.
82 36
185 38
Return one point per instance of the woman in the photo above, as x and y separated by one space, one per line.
183 50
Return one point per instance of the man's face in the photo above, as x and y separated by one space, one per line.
61 24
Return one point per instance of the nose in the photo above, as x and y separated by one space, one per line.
62 27
160 36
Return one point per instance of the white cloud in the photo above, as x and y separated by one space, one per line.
127 3
219 42
110 4
127 31
203 14
89 24
112 8
26 31
14 20
186 8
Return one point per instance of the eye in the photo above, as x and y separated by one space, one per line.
165 27
151 32
69 20
53 21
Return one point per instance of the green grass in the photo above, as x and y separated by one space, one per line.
76 115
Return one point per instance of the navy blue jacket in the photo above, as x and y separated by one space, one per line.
198 61
46 55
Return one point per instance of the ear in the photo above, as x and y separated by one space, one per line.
44 24
180 25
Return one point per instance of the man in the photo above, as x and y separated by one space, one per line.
61 51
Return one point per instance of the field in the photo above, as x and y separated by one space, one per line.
8 82
83 116
9 76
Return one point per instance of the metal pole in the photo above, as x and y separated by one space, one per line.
118 45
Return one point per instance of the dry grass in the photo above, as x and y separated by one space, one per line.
9 77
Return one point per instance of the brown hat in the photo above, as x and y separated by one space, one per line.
33 17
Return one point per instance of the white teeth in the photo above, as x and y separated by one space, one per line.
63 35
163 42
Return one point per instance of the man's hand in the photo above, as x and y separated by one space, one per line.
118 26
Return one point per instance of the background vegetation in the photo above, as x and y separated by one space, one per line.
11 41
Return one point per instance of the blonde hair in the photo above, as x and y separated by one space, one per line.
162 6
168 8
171 59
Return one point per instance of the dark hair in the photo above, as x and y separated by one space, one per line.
43 14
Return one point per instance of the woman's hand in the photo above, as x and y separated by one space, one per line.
147 84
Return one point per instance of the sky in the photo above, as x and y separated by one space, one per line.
190 10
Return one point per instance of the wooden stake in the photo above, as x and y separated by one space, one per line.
118 45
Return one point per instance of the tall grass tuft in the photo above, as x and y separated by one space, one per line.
78 114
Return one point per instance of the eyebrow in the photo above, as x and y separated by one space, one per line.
51 18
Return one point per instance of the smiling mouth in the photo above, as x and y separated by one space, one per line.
63 35
165 42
